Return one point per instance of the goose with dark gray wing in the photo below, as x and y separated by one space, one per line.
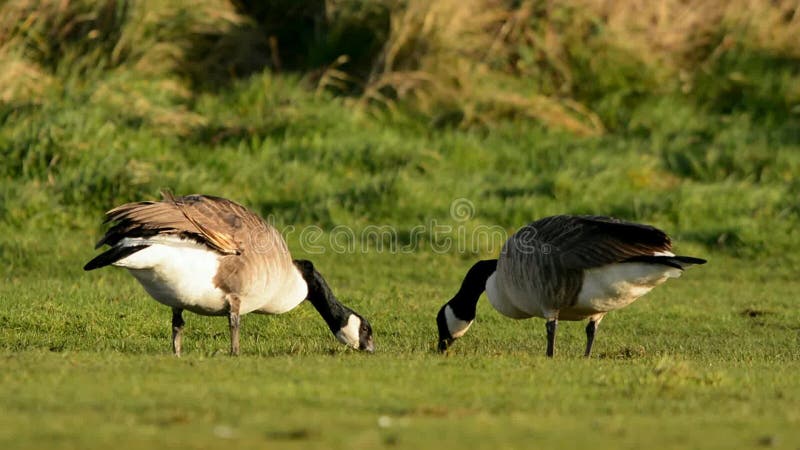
565 268
214 257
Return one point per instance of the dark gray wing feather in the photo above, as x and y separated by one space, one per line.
585 242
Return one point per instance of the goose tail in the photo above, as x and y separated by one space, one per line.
678 262
113 255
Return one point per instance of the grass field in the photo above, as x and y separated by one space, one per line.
364 162
709 361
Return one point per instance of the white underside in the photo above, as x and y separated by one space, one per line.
604 289
180 273
618 285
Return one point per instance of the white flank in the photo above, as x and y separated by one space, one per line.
455 326
617 285
663 254
176 272
348 334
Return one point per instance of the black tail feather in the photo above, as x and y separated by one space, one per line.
678 262
689 260
113 255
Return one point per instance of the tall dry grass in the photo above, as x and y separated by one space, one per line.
140 57
551 61
450 55
576 65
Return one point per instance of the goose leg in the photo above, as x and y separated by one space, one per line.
233 322
591 327
551 336
177 328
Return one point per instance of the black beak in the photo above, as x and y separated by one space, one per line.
367 345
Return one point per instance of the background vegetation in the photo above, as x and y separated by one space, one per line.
680 113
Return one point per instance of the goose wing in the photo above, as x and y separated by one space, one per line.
585 242
221 224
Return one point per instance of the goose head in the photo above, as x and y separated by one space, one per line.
349 327
356 332
456 316
450 326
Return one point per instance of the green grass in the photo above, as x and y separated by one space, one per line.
702 362
707 361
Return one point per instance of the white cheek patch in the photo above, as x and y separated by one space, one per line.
455 326
348 334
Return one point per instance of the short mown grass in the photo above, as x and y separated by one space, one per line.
707 361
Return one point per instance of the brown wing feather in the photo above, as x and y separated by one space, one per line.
217 232
142 219
217 222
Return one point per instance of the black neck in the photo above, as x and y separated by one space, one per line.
466 299
320 295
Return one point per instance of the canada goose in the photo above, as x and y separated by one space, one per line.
214 257
568 268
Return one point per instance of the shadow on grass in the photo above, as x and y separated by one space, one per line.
290 36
